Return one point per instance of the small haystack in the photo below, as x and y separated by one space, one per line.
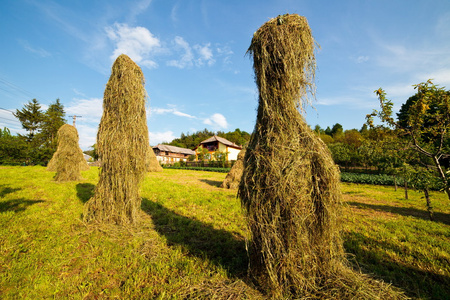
52 164
234 176
68 160
290 186
152 162
122 145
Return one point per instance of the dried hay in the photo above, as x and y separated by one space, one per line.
152 162
122 145
68 159
52 164
290 186
234 176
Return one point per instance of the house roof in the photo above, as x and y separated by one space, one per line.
221 140
174 149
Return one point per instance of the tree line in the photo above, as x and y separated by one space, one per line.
39 143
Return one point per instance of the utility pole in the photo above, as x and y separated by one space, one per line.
74 119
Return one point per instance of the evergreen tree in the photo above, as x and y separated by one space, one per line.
31 117
52 120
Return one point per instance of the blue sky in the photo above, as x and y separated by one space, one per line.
192 53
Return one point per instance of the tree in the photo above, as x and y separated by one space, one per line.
336 130
13 149
424 121
52 120
31 117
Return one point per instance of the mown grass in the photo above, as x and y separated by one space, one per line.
190 241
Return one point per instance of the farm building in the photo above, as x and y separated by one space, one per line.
216 143
171 154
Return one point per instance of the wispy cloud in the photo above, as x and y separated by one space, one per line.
187 57
90 109
197 55
136 42
35 50
205 55
362 59
172 110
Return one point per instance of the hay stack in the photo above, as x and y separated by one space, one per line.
290 185
68 158
152 162
66 135
234 176
122 145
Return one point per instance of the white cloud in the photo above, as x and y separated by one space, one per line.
89 109
87 134
136 42
160 137
172 110
187 58
205 53
39 51
196 55
361 59
217 121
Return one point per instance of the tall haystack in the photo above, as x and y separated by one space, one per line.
68 158
122 145
67 134
290 185
152 162
234 176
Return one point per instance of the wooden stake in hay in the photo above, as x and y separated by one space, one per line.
234 176
67 133
152 162
290 185
68 159
122 144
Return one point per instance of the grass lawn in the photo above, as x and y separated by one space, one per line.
190 241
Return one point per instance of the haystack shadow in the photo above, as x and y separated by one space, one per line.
85 191
214 183
405 211
5 190
409 279
219 246
17 205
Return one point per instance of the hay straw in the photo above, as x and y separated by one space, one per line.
67 134
122 144
233 177
290 185
152 162
68 160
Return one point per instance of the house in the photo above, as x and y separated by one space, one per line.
171 154
214 143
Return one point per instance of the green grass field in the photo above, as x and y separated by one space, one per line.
190 241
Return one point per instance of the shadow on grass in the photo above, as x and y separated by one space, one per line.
85 191
17 205
405 211
414 282
219 246
5 190
214 183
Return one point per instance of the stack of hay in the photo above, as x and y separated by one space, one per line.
68 160
290 185
122 145
234 176
51 166
152 162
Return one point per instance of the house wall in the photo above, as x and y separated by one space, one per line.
232 153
